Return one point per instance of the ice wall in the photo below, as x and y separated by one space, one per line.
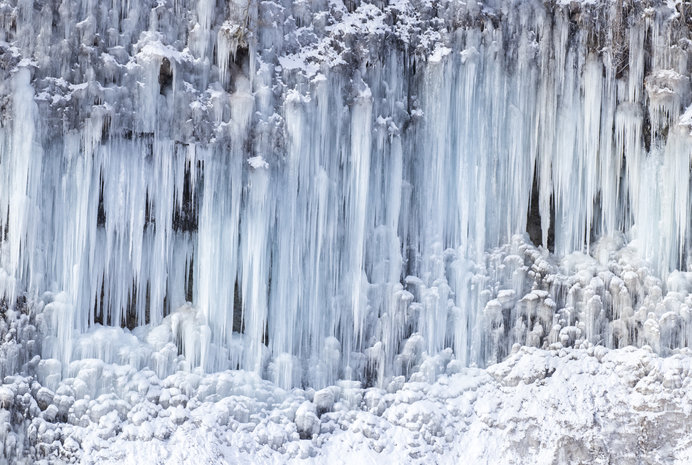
320 190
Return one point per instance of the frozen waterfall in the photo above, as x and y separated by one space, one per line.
317 191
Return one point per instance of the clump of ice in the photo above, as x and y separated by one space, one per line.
257 162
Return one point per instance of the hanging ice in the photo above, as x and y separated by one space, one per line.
316 192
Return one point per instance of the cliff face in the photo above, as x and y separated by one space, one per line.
337 190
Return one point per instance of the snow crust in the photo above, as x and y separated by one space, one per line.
590 405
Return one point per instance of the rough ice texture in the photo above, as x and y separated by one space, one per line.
596 406
315 192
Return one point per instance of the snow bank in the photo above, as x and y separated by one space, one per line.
536 407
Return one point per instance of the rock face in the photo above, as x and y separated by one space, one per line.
320 191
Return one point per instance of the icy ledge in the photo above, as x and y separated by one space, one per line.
569 406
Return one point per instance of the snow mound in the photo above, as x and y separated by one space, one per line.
537 407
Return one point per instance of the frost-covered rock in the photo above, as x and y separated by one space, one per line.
324 399
306 420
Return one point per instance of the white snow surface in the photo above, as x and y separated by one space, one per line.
596 406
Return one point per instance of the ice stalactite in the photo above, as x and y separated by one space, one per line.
318 192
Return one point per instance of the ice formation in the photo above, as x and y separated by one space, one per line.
325 192
300 196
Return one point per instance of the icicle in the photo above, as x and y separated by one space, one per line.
357 205
19 195
254 266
